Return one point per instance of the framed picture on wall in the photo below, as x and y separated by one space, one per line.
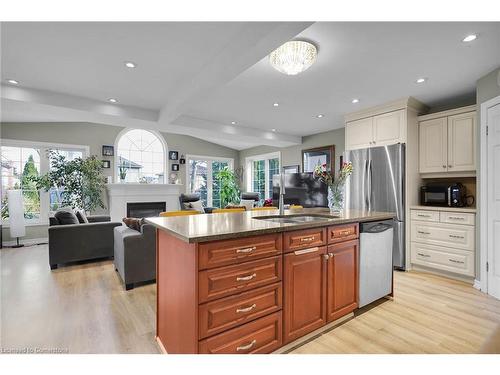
108 151
318 156
175 167
106 164
291 168
173 155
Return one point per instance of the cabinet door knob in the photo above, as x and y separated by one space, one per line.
444 166
450 166
331 255
326 256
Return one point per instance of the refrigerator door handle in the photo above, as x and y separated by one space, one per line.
369 179
365 185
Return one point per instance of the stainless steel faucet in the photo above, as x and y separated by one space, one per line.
282 192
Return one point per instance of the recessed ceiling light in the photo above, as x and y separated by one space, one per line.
354 101
233 122
469 38
112 100
276 104
130 64
319 116
421 80
273 130
13 81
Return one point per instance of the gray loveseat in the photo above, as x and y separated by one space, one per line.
76 242
135 254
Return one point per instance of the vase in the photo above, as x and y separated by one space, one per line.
336 199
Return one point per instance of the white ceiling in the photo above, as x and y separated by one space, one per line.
195 78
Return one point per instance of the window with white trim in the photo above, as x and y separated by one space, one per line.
201 178
140 157
21 160
260 172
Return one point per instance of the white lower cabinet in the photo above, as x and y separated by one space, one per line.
443 240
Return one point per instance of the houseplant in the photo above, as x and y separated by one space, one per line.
79 182
228 186
335 185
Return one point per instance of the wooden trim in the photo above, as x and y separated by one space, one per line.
450 112
405 103
160 345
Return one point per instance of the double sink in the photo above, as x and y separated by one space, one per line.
296 219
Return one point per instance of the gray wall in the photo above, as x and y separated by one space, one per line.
95 136
487 88
292 155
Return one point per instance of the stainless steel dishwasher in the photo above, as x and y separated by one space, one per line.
375 260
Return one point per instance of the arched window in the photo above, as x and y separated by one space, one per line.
140 157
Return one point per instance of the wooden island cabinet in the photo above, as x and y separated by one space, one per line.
253 294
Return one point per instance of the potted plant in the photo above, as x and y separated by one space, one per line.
123 173
228 186
78 182
335 185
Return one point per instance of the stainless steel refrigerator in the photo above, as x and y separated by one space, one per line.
377 184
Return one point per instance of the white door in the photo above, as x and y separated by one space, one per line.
493 141
389 128
462 142
359 134
433 139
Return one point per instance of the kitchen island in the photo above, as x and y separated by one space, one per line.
252 282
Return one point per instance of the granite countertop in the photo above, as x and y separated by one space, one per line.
439 208
210 227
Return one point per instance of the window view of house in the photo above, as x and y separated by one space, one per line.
140 157
202 178
262 169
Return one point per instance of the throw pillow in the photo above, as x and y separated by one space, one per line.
198 206
134 223
82 218
66 217
248 203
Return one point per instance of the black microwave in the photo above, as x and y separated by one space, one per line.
453 195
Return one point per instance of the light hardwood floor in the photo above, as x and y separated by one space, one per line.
84 309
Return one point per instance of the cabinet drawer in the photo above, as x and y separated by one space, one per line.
221 253
457 218
304 239
425 215
229 312
449 235
261 336
443 258
225 281
340 233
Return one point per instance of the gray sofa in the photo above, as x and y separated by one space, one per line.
76 242
135 254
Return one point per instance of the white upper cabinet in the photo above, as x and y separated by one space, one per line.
389 128
433 136
447 143
359 133
381 130
462 142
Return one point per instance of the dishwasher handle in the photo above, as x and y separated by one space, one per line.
377 227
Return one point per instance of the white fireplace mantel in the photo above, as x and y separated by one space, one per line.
121 194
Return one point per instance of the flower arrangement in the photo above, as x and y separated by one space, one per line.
335 185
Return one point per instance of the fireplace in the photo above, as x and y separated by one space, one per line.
145 209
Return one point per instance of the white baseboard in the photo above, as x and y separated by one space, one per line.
477 284
27 242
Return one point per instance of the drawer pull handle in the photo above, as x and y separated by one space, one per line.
424 255
456 261
247 346
456 218
246 278
341 233
422 215
455 236
306 251
307 239
422 232
246 250
246 309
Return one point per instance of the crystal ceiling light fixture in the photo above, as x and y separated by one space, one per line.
293 57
